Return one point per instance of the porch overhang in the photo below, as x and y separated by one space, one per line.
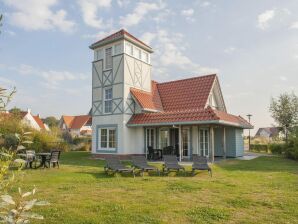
207 122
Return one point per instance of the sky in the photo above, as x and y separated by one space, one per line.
251 45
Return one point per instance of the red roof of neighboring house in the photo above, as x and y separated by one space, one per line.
77 122
181 101
39 122
119 34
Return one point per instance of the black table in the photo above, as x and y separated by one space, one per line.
43 156
160 153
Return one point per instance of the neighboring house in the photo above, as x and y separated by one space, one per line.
77 125
130 112
33 121
270 133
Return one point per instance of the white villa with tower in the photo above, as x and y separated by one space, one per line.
131 112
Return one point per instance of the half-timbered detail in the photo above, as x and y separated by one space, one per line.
131 113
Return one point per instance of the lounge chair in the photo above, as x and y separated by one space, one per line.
140 162
171 163
200 163
113 164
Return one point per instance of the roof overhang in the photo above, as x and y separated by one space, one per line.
214 122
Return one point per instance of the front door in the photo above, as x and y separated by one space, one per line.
150 137
185 142
204 142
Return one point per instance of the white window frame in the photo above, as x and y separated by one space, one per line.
150 137
187 129
105 58
109 148
108 100
202 151
115 48
164 129
127 44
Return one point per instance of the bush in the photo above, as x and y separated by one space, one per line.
292 148
10 141
259 147
276 148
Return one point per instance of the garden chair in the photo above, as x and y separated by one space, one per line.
140 162
113 164
30 158
171 163
200 163
54 158
152 154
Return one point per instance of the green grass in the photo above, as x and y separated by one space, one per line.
264 190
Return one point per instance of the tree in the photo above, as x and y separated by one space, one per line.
15 110
51 121
284 110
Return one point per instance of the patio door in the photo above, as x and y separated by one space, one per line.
150 137
185 142
204 142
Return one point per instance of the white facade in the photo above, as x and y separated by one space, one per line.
112 103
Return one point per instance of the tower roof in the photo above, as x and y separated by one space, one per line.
120 35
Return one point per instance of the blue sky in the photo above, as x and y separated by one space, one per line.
251 45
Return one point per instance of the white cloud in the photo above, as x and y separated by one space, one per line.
283 78
187 12
205 4
90 10
229 50
264 18
37 15
139 12
169 49
294 25
123 3
51 78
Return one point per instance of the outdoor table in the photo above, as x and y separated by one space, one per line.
159 152
43 156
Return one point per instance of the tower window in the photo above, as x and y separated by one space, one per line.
108 100
129 49
108 58
138 53
117 49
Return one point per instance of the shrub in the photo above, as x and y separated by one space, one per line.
259 147
292 148
10 140
276 148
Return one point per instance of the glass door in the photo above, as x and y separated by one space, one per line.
185 142
204 142
150 137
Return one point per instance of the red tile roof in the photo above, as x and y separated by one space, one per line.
202 115
39 122
77 122
148 100
119 34
181 101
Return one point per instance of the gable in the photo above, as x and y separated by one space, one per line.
215 99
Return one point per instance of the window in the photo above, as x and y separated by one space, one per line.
145 57
204 142
108 58
98 54
108 100
129 49
138 53
164 138
117 49
108 140
150 137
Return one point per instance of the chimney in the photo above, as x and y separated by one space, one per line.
29 111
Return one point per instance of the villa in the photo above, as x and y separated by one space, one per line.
131 112
77 126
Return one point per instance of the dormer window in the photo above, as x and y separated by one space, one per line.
108 58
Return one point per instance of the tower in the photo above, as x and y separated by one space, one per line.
121 62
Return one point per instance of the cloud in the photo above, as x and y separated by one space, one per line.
123 3
264 19
188 13
205 4
37 15
90 10
50 78
283 78
229 50
139 12
294 25
170 53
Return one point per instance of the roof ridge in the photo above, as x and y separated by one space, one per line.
178 80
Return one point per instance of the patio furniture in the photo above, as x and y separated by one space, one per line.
169 150
171 163
113 164
153 154
200 163
54 158
44 156
140 162
30 158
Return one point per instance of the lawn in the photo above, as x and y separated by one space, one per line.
263 190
